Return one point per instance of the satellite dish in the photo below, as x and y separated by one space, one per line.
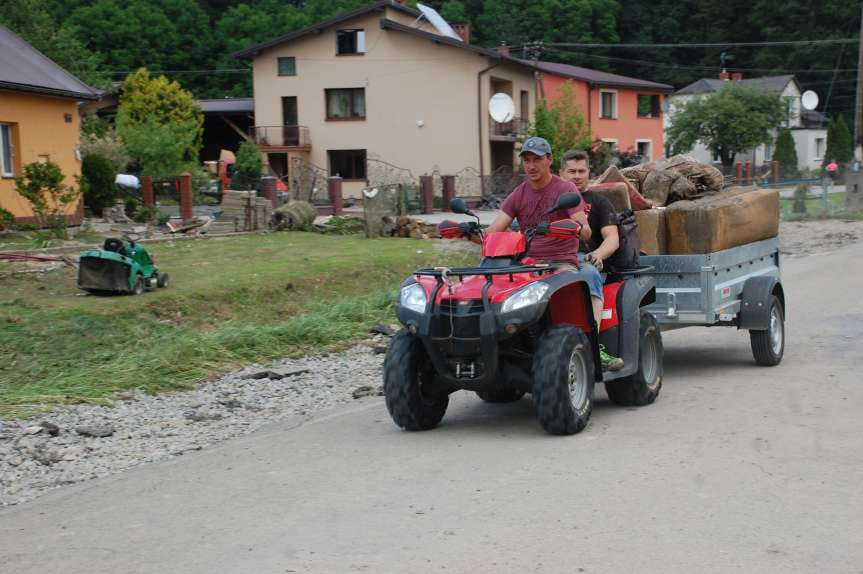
438 22
501 108
809 100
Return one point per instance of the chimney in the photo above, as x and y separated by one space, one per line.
463 30
724 76
503 49
736 76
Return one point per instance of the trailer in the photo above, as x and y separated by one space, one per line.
737 287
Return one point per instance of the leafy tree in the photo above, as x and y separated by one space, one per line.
453 11
733 120
109 146
159 103
42 186
786 154
97 182
840 142
159 150
561 123
247 170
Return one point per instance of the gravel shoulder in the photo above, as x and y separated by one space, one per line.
77 443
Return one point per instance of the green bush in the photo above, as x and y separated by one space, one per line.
97 178
800 194
786 154
247 170
42 186
7 220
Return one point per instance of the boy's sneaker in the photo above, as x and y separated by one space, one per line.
609 362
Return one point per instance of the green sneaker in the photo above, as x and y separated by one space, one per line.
609 362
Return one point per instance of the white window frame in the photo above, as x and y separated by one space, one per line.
820 156
615 144
6 144
649 143
614 106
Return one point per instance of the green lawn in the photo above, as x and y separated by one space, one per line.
835 207
231 301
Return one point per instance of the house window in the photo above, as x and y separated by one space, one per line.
611 142
346 104
819 148
348 163
350 42
644 149
768 152
648 106
6 151
288 66
608 104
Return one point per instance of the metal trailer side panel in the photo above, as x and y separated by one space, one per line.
706 289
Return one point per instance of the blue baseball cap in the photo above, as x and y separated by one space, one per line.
536 146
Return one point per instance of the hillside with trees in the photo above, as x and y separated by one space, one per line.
191 41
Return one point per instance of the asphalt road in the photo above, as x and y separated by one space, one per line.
734 468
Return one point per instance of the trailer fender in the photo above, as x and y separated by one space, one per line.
755 302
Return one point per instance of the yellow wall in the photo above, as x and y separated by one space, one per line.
39 130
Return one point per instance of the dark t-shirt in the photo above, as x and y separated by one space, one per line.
600 214
528 204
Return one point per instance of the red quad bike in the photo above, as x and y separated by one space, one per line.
513 326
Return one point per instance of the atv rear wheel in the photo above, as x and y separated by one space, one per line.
501 395
407 369
563 380
162 280
642 387
768 346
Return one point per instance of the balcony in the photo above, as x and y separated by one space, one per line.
281 138
508 131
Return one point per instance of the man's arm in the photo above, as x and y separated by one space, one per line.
610 243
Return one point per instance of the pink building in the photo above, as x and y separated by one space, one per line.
623 111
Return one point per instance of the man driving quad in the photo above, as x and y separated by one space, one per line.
529 200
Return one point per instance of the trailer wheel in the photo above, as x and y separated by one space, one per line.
406 370
563 380
502 395
768 346
642 387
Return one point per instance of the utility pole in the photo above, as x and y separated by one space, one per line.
858 108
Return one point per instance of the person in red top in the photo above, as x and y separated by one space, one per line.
832 169
529 200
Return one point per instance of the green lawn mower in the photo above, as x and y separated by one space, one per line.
121 266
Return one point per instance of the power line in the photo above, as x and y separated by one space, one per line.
702 45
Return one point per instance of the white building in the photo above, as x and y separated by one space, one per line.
808 128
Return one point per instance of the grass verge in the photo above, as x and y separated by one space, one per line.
231 302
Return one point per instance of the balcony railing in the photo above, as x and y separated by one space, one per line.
281 136
512 129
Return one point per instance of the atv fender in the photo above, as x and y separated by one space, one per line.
622 339
755 302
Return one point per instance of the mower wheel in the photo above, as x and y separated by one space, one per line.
407 369
502 395
162 279
642 387
138 289
563 380
768 346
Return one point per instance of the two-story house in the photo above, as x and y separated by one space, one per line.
382 82
625 112
38 120
807 127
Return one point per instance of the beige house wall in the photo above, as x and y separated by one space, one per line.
421 97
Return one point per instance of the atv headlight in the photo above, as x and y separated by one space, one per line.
530 295
414 298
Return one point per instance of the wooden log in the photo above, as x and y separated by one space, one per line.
617 193
722 221
652 231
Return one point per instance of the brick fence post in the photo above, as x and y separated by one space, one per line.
774 171
268 187
147 190
748 177
334 187
186 204
426 194
738 179
448 189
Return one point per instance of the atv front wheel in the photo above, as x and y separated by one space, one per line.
563 380
642 387
502 395
407 369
